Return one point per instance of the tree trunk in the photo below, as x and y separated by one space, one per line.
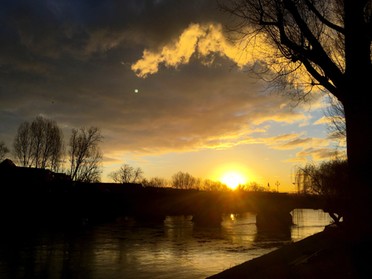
358 115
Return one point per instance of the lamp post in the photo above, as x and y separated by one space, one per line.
277 186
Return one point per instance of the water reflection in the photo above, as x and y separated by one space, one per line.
129 248
265 238
307 222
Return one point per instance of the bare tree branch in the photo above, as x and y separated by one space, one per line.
84 154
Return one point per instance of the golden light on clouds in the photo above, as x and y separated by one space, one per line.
208 40
202 40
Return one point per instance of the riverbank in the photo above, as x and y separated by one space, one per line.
328 254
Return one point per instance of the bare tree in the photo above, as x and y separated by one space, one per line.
127 174
183 180
39 144
3 150
84 155
323 44
156 182
22 145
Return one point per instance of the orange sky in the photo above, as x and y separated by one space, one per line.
163 83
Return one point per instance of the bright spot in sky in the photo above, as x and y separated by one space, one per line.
136 90
233 179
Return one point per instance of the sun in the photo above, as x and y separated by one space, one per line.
233 179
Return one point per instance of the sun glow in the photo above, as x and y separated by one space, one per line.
233 179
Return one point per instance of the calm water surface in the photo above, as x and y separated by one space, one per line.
175 248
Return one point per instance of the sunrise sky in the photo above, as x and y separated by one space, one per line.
162 81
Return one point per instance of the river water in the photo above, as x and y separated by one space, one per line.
126 248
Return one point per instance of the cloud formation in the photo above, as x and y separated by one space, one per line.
202 40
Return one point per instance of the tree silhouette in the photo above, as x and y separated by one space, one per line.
127 174
323 44
183 180
84 155
155 182
39 144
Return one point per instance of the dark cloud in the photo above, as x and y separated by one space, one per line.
48 40
53 28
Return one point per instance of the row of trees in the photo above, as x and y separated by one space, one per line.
180 180
183 180
40 144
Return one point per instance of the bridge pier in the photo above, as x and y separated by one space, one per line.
273 220
207 218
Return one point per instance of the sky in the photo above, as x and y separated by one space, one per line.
164 84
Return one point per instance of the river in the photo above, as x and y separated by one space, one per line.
126 248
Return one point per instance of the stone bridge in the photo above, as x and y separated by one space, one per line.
106 201
206 207
33 193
